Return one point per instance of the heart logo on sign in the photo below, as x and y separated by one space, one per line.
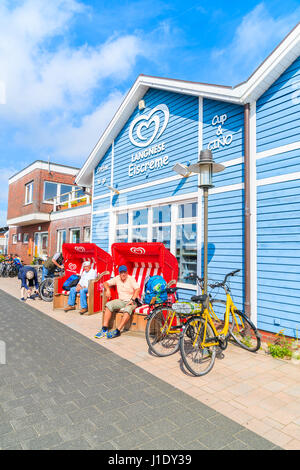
81 249
72 267
146 121
138 251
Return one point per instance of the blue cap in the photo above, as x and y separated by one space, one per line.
122 269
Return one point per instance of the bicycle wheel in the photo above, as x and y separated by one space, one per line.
198 360
163 331
244 332
46 290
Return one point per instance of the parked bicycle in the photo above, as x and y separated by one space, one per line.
8 269
163 326
46 289
201 335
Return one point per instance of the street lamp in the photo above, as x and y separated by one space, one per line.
206 167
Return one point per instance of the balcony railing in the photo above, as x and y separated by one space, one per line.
69 200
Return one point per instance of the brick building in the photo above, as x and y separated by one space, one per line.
45 209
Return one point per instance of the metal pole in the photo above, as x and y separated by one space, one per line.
247 215
205 237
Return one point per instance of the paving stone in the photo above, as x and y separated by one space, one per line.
76 444
64 391
253 440
43 442
164 442
5 428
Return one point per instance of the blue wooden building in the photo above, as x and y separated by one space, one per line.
253 129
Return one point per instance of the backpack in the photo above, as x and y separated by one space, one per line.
50 265
72 281
155 287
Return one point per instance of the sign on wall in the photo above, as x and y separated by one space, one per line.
222 139
143 131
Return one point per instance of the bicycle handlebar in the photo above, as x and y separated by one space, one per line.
222 284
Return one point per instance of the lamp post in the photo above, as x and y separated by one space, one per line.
205 167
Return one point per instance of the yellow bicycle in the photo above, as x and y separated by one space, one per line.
200 336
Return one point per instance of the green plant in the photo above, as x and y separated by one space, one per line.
282 347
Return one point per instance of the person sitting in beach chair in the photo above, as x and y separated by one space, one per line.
128 291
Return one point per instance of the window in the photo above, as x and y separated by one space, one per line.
29 193
186 250
87 234
174 225
75 235
122 227
161 225
14 239
61 238
64 190
50 190
25 237
140 217
140 225
186 240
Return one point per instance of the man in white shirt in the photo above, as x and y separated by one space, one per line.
81 288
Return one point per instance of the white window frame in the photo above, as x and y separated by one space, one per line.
58 235
29 192
84 233
58 192
14 239
26 239
175 221
71 230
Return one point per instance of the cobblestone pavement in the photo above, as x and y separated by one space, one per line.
60 390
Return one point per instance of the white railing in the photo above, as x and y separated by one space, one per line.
72 200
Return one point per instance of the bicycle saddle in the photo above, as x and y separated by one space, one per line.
199 299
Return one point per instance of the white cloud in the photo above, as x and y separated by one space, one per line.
50 83
258 33
76 142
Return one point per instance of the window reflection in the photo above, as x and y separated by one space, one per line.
162 235
186 250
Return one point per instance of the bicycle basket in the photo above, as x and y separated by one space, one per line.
186 308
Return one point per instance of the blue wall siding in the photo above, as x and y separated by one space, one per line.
280 164
225 212
180 138
101 204
278 257
102 175
278 111
157 192
226 240
100 230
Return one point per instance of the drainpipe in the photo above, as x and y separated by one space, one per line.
247 214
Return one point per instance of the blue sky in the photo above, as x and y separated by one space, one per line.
67 64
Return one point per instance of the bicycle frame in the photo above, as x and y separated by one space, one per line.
207 315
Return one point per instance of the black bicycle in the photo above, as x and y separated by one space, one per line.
46 288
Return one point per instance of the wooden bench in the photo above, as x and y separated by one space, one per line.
138 319
95 289
75 254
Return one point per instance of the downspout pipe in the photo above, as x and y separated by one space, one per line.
247 214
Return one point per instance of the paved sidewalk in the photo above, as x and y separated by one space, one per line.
60 390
